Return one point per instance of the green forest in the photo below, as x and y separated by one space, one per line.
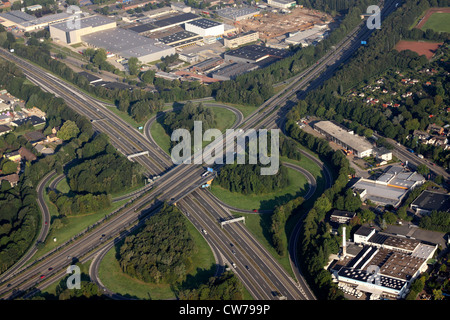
225 287
247 179
107 173
161 251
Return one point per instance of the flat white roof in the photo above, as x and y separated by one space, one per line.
353 141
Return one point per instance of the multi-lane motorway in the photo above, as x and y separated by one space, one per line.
256 268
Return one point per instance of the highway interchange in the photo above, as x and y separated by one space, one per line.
255 267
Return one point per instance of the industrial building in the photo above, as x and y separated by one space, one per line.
207 65
233 70
301 37
27 22
71 33
181 39
238 14
253 54
241 39
284 4
126 44
180 6
390 188
205 27
380 265
165 23
429 201
355 144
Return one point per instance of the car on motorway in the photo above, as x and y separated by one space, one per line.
234 265
255 211
42 276
50 269
247 267
204 231
420 156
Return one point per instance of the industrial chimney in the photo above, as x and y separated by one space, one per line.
344 242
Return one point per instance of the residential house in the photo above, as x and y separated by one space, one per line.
435 129
27 154
4 129
13 179
13 156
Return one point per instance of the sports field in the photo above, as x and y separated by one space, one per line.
436 19
422 48
439 22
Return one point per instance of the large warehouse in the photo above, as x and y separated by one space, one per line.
165 23
359 146
67 33
238 14
127 44
254 54
205 27
27 22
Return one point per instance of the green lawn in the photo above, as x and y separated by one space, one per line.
224 120
114 279
297 186
63 186
439 22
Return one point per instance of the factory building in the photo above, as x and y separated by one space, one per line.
181 39
238 14
284 4
207 64
165 23
241 39
380 265
254 54
71 33
355 144
390 188
27 22
180 6
429 201
233 70
301 36
126 44
205 27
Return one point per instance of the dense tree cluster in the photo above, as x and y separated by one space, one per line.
437 221
187 115
278 224
161 252
108 173
247 179
225 287
80 203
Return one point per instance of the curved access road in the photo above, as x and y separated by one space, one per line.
45 226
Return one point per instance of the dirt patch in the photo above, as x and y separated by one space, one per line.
422 48
428 14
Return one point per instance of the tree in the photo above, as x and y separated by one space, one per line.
133 66
423 169
148 76
368 133
68 130
9 167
